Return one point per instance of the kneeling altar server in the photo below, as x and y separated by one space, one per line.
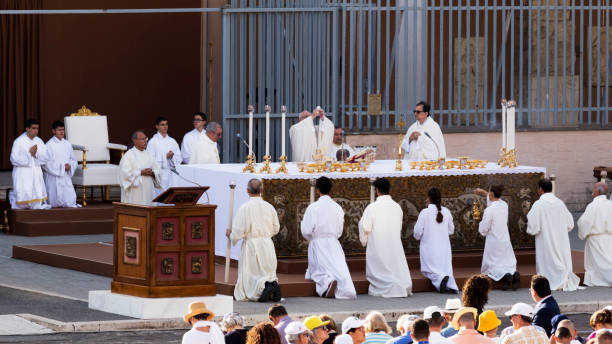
322 225
60 169
139 173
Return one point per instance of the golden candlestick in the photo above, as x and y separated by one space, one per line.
249 165
266 167
476 210
283 166
398 163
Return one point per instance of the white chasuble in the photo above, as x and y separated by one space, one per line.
306 138
136 188
498 258
550 221
189 141
159 146
29 190
424 148
204 151
435 247
380 228
595 225
322 225
255 223
59 181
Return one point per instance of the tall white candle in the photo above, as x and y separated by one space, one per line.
504 125
511 126
267 108
283 112
251 129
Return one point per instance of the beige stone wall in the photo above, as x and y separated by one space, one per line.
570 155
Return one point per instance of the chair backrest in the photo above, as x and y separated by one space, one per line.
91 130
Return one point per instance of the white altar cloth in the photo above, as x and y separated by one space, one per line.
219 176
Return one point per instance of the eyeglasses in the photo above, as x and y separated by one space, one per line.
418 111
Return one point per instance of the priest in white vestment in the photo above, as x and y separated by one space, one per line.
255 223
595 225
424 139
313 131
380 228
550 221
139 173
205 151
191 138
433 228
322 225
166 152
338 144
28 154
60 169
498 259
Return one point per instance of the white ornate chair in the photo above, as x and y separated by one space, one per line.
88 133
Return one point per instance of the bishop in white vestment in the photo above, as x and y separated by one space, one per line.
424 139
60 169
595 225
255 223
191 138
380 228
306 137
28 154
322 226
166 152
435 247
550 221
205 150
139 173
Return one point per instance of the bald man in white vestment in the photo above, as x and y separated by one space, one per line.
311 132
255 223
60 169
139 173
322 226
550 221
28 155
166 152
380 228
205 150
424 139
339 144
190 139
595 225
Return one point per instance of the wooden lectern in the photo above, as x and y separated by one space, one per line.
165 250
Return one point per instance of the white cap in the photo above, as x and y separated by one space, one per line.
343 339
429 311
452 305
520 309
608 308
351 322
295 327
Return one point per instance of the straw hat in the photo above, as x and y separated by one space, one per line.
488 321
461 312
452 305
198 307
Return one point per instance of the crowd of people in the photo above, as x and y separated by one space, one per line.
460 321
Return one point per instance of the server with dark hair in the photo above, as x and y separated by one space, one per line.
191 138
165 151
60 168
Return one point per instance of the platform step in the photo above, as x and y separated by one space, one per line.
94 219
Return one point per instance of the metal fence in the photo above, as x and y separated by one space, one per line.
552 56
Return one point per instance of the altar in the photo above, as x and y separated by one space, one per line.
290 195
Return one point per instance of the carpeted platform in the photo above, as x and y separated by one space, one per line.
97 218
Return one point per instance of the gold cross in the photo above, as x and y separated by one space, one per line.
401 124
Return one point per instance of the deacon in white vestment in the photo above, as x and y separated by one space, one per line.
435 247
339 144
28 154
322 225
595 225
550 221
205 150
191 138
139 173
307 136
166 152
380 228
498 260
60 169
424 140
255 223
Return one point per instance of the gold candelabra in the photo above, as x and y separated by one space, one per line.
266 167
476 210
398 163
283 166
249 165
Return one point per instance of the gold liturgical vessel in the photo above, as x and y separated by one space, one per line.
283 158
249 161
398 163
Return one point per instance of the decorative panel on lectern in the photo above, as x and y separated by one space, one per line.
164 251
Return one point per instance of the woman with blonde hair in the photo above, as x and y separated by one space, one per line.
376 328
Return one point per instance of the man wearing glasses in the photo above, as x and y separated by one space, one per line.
191 138
424 140
139 173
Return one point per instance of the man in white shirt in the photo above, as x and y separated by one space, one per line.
549 221
313 132
435 318
498 260
380 228
28 154
166 152
60 169
424 140
595 225
205 150
203 330
139 173
322 225
191 138
338 143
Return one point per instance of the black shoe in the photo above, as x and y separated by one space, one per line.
451 291
507 281
516 280
330 293
443 289
266 294
276 295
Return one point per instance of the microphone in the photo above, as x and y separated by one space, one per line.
239 137
432 140
173 169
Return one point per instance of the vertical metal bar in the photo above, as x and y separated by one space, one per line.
608 68
360 65
582 51
387 61
349 107
441 104
334 71
494 66
378 48
398 29
342 107
416 49
370 63
430 42
449 83
573 105
485 85
599 62
566 28
468 92
512 52
521 91
477 106
502 55
225 78
530 33
556 71
539 63
590 61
